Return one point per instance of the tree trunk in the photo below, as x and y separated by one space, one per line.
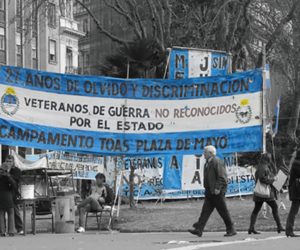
131 186
294 120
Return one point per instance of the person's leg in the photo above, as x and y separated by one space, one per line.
291 217
2 222
257 207
274 206
221 206
18 219
92 202
82 212
207 209
11 220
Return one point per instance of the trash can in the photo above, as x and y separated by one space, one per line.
64 214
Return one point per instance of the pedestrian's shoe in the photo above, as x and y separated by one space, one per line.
253 231
230 234
280 229
11 234
291 234
80 230
21 232
196 225
3 235
196 232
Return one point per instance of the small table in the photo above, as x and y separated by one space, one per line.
30 202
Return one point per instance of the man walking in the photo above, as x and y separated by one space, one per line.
215 184
16 175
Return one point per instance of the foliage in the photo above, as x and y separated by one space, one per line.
143 57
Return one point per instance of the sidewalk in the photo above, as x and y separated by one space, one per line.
178 216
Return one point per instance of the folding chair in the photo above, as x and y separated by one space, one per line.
106 209
44 211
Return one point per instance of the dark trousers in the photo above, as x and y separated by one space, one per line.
292 215
18 219
210 203
87 205
257 208
11 220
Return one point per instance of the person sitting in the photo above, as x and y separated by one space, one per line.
101 194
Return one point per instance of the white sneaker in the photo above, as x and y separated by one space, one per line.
80 230
21 232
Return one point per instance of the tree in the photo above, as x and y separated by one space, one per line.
294 120
139 59
147 19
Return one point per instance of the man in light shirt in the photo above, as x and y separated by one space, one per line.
101 194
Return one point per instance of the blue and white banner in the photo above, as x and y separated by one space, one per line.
189 63
131 117
175 177
82 166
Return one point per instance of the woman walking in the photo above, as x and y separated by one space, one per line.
265 174
294 194
7 184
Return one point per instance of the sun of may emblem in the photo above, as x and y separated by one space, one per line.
244 112
9 102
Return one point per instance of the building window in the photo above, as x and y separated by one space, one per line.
34 53
19 7
2 12
18 43
2 38
52 51
19 49
19 13
85 26
69 57
2 4
52 15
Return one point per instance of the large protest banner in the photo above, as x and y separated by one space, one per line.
130 117
189 63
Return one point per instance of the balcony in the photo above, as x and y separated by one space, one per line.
70 26
73 70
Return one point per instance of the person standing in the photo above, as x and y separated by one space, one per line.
16 175
215 184
294 194
7 184
265 174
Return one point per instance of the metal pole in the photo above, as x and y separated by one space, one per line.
128 70
264 107
168 62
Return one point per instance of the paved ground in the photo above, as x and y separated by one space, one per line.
147 241
178 216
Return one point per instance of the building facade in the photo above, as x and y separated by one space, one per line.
38 34
95 46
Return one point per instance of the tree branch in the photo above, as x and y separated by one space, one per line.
100 27
271 41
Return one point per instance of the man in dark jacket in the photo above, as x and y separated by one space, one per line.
294 194
215 184
16 175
